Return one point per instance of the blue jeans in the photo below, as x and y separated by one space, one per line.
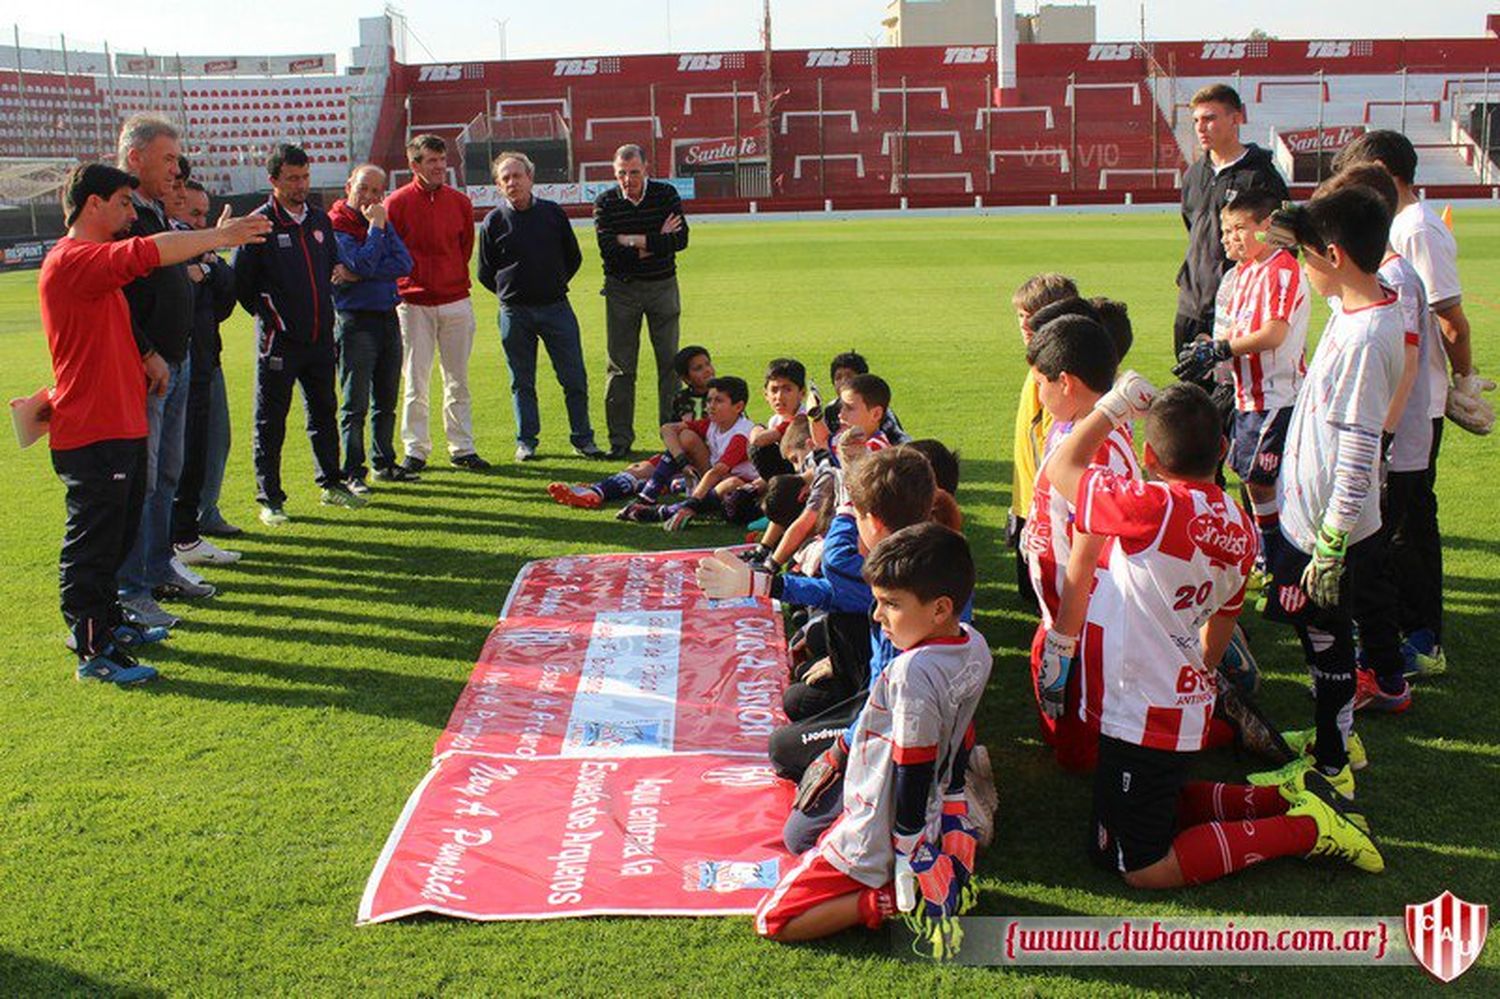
218 453
149 563
369 372
521 326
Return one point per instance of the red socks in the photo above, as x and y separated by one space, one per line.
1204 801
876 905
1228 827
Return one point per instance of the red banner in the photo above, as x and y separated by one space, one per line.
491 839
607 756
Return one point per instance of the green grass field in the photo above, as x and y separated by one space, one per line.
211 833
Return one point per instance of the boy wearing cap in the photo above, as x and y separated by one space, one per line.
97 417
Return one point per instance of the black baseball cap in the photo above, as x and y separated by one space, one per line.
88 179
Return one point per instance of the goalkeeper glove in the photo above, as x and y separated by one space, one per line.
721 576
1128 400
1199 358
821 775
684 512
1466 405
1324 573
934 886
1058 654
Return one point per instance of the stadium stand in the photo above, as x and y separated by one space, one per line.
860 126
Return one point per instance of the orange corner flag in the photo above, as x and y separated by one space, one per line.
1448 217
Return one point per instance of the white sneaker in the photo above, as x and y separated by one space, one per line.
205 552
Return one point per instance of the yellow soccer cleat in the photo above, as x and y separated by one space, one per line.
1302 742
1338 836
1292 779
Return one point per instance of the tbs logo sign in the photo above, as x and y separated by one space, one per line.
1111 53
830 58
1330 50
439 74
699 63
576 67
966 55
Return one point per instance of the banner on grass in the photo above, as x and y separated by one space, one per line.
608 756
486 838
622 655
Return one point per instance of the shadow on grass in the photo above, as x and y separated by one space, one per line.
21 975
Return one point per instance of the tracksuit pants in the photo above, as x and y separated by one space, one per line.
311 365
105 486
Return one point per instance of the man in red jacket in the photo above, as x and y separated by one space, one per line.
98 403
436 223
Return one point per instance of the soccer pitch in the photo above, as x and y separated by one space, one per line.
212 833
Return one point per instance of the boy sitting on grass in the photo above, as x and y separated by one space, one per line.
695 368
785 387
717 448
903 841
1161 616
841 370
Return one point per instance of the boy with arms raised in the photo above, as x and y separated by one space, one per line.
1261 335
903 840
1327 565
1072 364
1164 609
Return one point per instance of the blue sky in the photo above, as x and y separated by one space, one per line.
458 31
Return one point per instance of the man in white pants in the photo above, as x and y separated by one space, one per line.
436 222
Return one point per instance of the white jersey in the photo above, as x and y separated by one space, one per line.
1351 382
1419 235
1047 538
1411 447
732 447
918 711
1263 291
1181 554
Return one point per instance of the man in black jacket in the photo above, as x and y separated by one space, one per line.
1227 167
285 283
213 301
641 229
527 255
161 313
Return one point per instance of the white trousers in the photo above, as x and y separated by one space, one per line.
448 331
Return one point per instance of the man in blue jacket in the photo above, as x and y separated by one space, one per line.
368 334
285 283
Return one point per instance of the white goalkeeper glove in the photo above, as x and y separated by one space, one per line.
1467 406
722 576
1128 400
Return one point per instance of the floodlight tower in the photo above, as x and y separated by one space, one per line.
1005 52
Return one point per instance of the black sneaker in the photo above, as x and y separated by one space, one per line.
396 473
592 451
470 461
413 464
618 452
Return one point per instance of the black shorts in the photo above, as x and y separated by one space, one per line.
1135 804
1256 446
1366 591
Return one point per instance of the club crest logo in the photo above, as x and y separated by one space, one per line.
1291 598
318 235
1447 934
1218 539
1268 461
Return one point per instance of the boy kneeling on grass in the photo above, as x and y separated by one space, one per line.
903 841
1168 592
717 448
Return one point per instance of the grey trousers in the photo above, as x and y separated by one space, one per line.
625 304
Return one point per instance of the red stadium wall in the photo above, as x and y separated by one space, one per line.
868 126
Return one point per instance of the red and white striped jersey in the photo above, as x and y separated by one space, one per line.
1181 553
1047 538
919 710
1264 291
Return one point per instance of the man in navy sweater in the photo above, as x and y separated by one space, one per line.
371 258
527 255
285 284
